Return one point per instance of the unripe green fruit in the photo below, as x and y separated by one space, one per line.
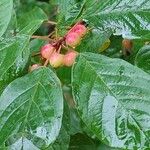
70 57
47 50
56 60
33 67
72 39
80 29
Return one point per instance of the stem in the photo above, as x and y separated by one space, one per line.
56 33
65 47
51 22
46 38
59 49
35 54
46 62
59 43
51 34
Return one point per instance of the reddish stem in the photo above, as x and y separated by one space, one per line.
46 62
58 44
59 49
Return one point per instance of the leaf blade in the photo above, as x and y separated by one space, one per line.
14 55
129 18
112 98
142 58
6 7
31 21
33 110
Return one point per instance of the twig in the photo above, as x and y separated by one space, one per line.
59 49
65 47
51 22
46 38
35 54
46 62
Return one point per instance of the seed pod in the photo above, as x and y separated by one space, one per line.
56 60
47 50
72 39
127 46
70 57
80 29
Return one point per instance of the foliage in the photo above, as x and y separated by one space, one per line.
101 101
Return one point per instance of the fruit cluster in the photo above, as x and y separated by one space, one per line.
52 53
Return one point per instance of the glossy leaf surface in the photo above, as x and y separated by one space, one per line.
32 107
130 18
113 99
143 58
14 55
6 7
31 21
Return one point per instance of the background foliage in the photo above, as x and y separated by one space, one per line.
101 102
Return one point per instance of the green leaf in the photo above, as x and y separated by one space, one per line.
32 107
142 59
14 55
77 125
63 139
6 7
126 17
12 26
65 8
69 10
35 46
129 18
101 146
113 99
81 141
64 74
96 38
114 50
31 21
22 143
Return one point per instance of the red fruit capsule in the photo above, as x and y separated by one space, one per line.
72 39
80 29
47 50
70 57
56 60
127 44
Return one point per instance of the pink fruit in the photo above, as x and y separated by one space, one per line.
80 29
127 44
33 67
47 50
70 57
72 39
56 60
